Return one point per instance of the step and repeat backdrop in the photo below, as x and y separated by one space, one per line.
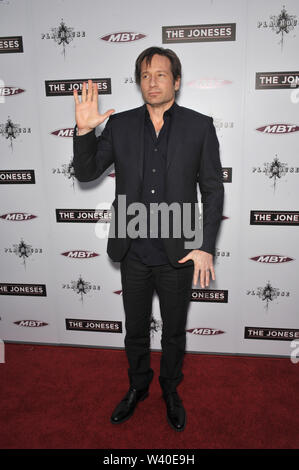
240 66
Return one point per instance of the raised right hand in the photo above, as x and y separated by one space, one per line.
87 113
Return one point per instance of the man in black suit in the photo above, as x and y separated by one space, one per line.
160 151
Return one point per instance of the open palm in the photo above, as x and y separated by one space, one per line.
87 113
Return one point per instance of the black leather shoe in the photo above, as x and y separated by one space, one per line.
176 414
126 407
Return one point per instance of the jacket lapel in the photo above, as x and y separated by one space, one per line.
174 132
138 138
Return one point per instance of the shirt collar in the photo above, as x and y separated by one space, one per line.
168 112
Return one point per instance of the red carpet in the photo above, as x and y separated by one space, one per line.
62 397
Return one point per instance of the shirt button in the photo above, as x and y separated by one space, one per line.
153 191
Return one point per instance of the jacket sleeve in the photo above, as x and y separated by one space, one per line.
211 187
92 155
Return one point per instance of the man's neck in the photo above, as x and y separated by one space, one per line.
156 113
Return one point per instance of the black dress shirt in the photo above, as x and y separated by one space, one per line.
151 250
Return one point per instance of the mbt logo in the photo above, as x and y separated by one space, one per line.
278 129
80 254
271 259
205 331
208 83
68 132
123 37
17 216
30 323
10 90
118 292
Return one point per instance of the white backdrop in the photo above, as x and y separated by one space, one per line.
240 66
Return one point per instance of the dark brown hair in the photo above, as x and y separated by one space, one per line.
148 54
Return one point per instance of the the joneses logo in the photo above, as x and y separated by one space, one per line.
276 80
209 295
67 87
281 25
17 177
278 334
34 290
227 174
102 326
122 37
265 217
9 44
63 35
83 215
199 33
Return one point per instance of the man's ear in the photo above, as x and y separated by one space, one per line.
177 84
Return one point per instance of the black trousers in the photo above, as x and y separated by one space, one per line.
173 287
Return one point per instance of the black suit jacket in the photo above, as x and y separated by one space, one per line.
192 157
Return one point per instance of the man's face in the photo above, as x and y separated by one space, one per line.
156 81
